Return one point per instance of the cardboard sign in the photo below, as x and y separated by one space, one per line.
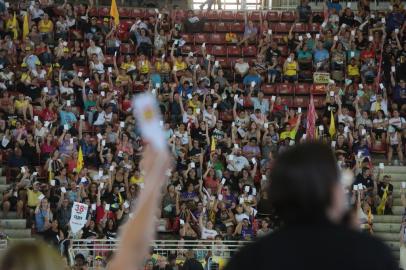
78 216
321 77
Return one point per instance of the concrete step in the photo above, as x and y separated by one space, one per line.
18 233
398 210
3 187
387 236
13 223
394 169
3 180
387 219
393 245
396 254
386 227
10 215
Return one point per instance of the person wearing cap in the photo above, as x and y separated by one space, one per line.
30 58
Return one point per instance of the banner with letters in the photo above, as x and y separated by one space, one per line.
78 217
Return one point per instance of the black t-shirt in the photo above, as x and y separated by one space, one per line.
381 188
272 52
368 182
314 246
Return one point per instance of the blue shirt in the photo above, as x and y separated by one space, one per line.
31 61
67 118
336 6
252 78
40 220
87 148
320 55
156 78
184 92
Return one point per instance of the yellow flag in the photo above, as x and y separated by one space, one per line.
114 12
332 129
380 210
213 144
14 24
80 162
26 28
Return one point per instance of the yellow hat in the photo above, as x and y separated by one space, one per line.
106 19
24 65
27 48
38 63
65 50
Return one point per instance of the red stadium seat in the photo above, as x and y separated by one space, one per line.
318 101
255 15
302 102
222 61
93 12
274 16
288 16
218 50
217 39
222 27
281 28
201 38
104 12
212 15
249 51
287 100
239 16
237 27
302 89
233 50
137 13
378 147
269 89
285 89
319 89
208 27
124 12
227 15
300 27
231 61
150 12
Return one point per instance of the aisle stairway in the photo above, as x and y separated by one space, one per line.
13 227
387 227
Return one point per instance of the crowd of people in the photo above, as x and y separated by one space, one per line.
67 83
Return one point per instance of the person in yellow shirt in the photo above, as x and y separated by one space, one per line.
178 63
136 178
163 68
353 70
194 103
33 196
23 107
290 69
289 132
144 66
46 27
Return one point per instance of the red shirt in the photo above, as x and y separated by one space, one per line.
47 115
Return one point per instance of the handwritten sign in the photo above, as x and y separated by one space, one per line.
78 216
321 77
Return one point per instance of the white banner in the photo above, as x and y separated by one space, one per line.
78 217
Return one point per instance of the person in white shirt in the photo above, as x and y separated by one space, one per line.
207 232
381 103
93 49
237 162
104 116
343 116
241 67
397 121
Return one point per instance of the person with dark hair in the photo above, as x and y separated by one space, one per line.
307 194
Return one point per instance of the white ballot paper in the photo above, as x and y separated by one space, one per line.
146 112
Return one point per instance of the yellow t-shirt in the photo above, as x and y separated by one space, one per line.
44 27
162 67
18 104
144 67
33 198
353 70
25 77
288 134
180 65
136 180
291 68
193 104
128 66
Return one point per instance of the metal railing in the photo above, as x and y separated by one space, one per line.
214 253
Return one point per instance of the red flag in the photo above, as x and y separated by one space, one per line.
311 120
